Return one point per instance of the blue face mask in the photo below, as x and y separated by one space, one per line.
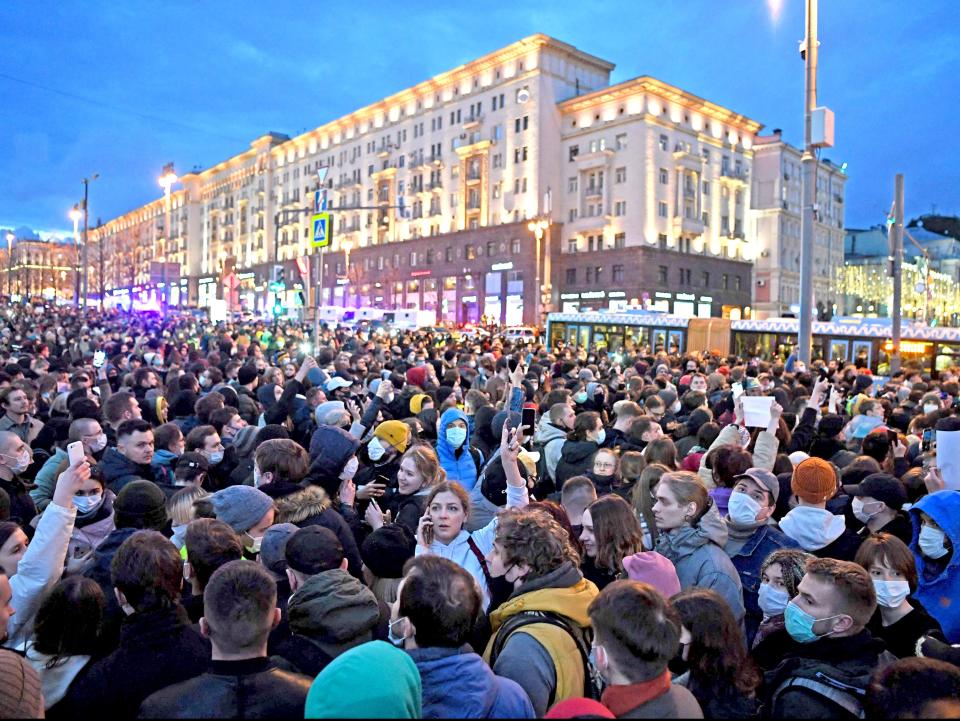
772 600
800 624
580 397
215 457
391 636
456 436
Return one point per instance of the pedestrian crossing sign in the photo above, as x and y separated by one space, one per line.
322 230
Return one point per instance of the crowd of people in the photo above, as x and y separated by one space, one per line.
233 520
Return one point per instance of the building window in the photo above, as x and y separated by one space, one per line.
573 214
706 218
620 207
726 281
664 142
572 245
574 152
617 273
662 241
491 248
620 240
620 175
684 276
736 282
621 141
571 276
471 253
515 246
662 209
706 187
664 176
413 258
448 254
572 185
705 279
662 274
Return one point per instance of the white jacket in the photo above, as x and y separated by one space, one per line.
38 570
458 550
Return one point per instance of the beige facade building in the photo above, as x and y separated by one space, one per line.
777 192
645 193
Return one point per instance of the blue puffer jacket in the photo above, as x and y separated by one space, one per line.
461 464
939 586
458 684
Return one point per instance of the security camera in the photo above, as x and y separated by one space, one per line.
803 49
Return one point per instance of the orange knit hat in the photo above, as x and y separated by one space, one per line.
814 480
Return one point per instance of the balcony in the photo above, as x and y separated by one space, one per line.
436 185
687 227
734 176
593 191
472 122
687 160
596 159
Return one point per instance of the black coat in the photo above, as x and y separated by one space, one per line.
253 688
157 648
574 460
118 470
22 507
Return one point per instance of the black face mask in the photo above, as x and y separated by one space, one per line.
677 665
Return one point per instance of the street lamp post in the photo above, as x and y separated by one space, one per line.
10 238
809 166
167 180
75 216
538 228
86 223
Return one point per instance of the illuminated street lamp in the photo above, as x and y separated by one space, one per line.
76 215
167 178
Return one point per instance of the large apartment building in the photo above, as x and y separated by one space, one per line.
777 204
527 183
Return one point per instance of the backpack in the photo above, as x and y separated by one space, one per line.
545 484
580 636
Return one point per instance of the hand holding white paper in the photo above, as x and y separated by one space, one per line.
756 411
948 458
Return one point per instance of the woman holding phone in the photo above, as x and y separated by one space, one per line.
441 530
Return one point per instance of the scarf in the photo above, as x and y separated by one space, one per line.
623 699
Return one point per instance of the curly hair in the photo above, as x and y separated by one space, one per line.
534 539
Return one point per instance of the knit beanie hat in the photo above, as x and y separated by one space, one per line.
20 690
246 374
416 402
417 376
396 433
241 507
579 708
386 550
140 504
273 547
396 693
655 569
814 480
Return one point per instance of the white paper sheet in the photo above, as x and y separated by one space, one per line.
948 458
756 411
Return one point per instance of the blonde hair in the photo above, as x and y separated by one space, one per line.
427 464
180 505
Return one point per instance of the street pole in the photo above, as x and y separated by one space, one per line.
100 248
10 238
896 263
86 221
809 164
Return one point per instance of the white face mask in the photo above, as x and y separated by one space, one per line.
349 469
891 594
932 542
99 444
772 600
743 509
375 450
87 504
859 510
930 407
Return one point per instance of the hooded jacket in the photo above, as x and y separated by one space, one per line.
118 470
45 482
834 664
331 613
458 684
820 532
938 590
163 465
459 463
551 437
247 405
89 534
542 658
574 460
764 451
697 553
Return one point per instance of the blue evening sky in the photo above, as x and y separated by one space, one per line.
123 87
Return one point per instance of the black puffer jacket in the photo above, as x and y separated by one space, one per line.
574 460
253 688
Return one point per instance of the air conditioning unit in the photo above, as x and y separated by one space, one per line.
463 136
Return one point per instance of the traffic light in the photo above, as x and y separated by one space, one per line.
279 281
277 306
